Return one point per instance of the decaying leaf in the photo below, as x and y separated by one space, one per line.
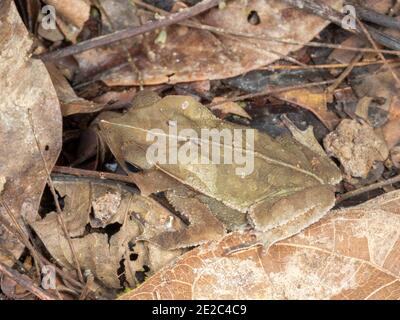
104 222
24 85
350 254
357 146
382 86
70 102
314 101
190 54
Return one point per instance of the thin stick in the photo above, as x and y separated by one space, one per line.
124 47
388 66
25 282
394 62
41 260
19 233
271 92
95 174
371 187
57 203
130 31
331 89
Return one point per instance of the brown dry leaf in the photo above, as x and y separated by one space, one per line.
24 84
92 207
194 55
357 146
378 85
314 101
346 56
350 254
70 102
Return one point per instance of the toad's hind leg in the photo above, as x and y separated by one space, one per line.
278 219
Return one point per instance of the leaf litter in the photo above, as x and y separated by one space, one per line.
251 63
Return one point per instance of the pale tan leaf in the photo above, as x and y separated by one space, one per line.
24 84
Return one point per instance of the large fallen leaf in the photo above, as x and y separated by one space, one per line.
24 84
91 211
189 54
351 254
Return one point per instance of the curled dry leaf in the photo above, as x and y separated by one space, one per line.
357 146
350 254
104 222
24 84
70 102
190 54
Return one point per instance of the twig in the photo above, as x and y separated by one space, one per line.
394 62
26 282
371 187
57 203
95 174
271 92
388 66
41 260
124 47
20 233
330 90
130 31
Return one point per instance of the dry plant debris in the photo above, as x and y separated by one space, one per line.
74 115
91 207
192 55
24 85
